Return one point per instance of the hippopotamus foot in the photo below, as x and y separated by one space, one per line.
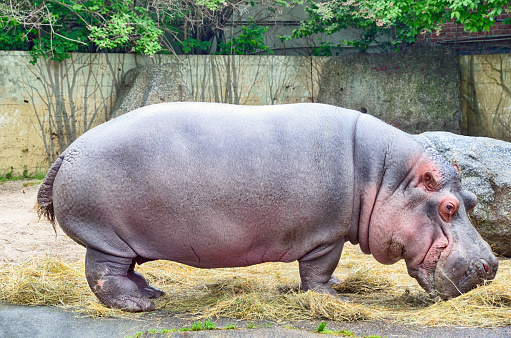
334 280
145 289
110 281
317 266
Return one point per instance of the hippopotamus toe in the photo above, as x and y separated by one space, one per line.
151 292
131 304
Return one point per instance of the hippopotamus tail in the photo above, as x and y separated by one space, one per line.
45 194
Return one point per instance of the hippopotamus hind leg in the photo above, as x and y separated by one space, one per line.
110 281
143 286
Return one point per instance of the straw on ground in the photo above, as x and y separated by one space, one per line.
269 292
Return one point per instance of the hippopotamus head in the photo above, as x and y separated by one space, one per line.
420 215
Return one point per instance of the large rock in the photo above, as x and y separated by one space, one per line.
416 90
485 166
151 84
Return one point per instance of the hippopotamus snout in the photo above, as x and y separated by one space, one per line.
477 273
458 260
462 270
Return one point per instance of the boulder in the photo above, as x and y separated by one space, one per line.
415 90
151 84
485 166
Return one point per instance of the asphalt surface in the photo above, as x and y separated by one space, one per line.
41 321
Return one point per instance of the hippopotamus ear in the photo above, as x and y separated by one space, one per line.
469 200
455 165
429 181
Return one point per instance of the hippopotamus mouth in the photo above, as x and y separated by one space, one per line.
476 273
425 271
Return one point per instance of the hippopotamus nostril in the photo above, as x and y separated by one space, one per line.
486 268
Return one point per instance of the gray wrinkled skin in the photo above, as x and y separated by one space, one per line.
213 185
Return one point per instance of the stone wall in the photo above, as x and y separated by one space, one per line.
415 90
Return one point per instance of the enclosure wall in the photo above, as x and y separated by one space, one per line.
44 107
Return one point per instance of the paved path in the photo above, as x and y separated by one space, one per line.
23 321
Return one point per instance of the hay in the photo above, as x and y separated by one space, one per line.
49 281
269 292
42 282
365 280
489 305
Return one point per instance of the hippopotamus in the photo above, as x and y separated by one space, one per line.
216 185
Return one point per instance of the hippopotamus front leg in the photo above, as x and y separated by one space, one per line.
318 265
116 284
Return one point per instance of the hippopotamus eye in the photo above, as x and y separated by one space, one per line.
448 209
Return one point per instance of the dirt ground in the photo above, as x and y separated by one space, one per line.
22 234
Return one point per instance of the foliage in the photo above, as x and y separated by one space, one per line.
10 176
251 325
396 21
14 38
324 49
53 28
126 27
212 5
322 329
190 44
250 41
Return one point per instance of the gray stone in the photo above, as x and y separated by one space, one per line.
151 84
415 90
485 166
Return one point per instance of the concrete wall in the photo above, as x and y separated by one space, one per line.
253 80
34 99
486 95
44 107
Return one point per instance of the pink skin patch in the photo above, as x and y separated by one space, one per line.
407 224
407 234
